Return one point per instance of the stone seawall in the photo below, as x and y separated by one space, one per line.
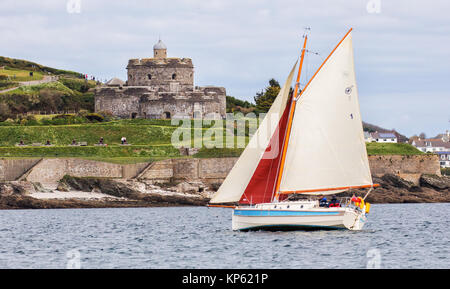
210 171
408 167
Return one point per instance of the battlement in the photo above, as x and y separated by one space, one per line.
161 62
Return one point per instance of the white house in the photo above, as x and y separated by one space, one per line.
384 137
444 159
431 145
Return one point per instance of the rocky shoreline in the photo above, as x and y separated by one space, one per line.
76 192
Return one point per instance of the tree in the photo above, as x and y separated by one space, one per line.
422 135
265 98
5 111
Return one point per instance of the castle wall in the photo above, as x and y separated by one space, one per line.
161 73
117 102
161 88
210 171
147 103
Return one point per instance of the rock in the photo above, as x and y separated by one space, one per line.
435 182
8 188
188 151
62 187
96 190
396 181
187 188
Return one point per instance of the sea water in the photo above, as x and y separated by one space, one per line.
395 236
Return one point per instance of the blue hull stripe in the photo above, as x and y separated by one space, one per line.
281 213
290 228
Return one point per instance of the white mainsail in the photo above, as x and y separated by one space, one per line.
238 178
326 150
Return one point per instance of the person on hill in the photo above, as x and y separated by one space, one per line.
48 143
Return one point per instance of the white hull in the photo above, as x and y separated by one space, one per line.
296 216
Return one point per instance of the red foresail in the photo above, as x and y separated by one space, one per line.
261 187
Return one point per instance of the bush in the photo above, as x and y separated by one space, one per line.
79 85
95 117
445 171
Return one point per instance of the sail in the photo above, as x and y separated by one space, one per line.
326 151
258 148
262 184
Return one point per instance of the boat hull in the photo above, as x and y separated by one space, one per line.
245 219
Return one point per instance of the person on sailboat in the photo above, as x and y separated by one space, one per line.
323 201
334 202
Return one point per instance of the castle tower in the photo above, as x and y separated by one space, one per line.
159 50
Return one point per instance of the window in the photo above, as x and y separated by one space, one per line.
149 76
174 76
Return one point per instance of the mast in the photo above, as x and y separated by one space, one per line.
289 125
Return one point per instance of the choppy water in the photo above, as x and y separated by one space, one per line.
396 236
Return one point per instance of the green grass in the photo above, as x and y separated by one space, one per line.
94 152
90 133
35 89
20 64
8 84
149 139
21 75
391 149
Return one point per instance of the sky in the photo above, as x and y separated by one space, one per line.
401 47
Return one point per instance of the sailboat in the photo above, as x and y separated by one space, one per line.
316 147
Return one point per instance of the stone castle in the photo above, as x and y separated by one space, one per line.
161 88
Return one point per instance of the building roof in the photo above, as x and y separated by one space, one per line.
387 135
115 82
383 135
431 143
159 45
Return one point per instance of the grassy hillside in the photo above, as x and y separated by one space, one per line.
66 94
19 64
149 139
20 75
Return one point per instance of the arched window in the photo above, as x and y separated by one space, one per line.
174 76
149 76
